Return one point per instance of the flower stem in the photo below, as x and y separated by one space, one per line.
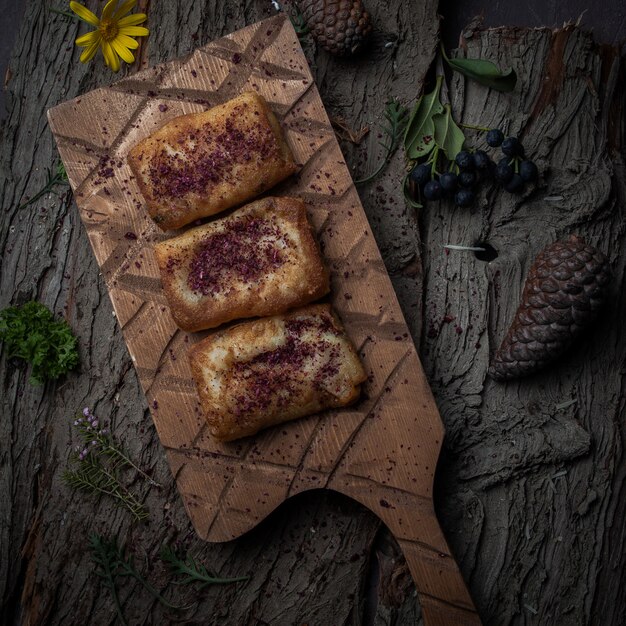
121 493
64 13
92 476
108 447
117 452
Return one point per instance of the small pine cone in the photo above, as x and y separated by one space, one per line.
339 26
564 289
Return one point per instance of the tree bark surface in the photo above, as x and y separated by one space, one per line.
531 496
531 479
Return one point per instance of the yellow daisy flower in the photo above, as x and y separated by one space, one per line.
114 33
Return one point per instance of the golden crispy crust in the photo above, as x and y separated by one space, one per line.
203 163
265 372
260 260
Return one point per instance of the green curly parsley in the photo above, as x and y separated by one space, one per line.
30 332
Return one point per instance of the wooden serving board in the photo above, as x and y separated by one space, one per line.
383 451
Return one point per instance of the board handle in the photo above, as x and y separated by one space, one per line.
442 592
411 518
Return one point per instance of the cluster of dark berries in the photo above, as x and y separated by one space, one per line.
513 170
469 169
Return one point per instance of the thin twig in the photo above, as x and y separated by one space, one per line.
450 246
59 178
396 116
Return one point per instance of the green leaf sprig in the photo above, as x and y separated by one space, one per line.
431 130
483 72
432 127
420 130
31 333
103 555
192 572
396 116
56 179
298 22
105 444
93 476
111 563
97 463
448 136
295 16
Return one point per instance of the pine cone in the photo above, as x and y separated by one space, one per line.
339 26
564 289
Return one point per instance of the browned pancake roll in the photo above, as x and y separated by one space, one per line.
203 163
260 260
275 369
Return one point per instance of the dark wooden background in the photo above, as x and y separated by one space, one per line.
531 495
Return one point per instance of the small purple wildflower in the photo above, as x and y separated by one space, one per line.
88 424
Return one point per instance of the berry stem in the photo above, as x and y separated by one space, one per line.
433 161
516 166
482 129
